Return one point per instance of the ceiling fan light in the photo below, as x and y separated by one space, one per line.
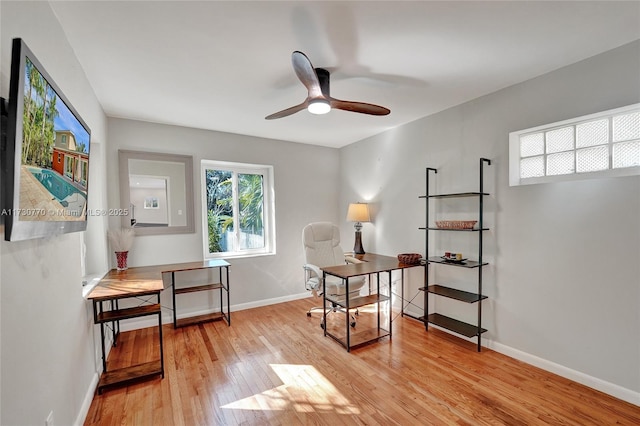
319 107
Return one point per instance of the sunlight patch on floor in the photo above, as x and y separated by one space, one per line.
304 389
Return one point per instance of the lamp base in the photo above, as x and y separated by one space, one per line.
357 247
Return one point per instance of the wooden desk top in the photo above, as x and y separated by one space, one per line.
372 263
141 280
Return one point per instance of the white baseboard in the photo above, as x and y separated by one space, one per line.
88 399
267 302
167 316
593 382
609 388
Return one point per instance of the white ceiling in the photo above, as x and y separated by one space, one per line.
226 65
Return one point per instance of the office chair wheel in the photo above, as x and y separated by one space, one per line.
322 325
353 324
308 314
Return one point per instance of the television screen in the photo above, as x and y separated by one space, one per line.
46 166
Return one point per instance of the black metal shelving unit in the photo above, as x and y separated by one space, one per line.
459 327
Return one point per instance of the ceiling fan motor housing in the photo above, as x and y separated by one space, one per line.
323 78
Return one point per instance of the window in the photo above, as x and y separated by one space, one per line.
238 216
84 172
68 166
597 145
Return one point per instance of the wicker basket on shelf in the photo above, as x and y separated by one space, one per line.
409 258
456 224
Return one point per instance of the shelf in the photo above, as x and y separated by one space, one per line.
222 283
466 264
362 337
451 229
359 337
356 302
452 293
458 327
456 195
121 314
130 374
454 325
215 316
205 287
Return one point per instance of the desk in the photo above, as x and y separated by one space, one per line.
221 283
139 282
371 264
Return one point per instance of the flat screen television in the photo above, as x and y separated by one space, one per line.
45 154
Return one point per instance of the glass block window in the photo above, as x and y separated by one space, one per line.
532 144
597 143
626 154
560 164
532 167
592 133
626 127
559 140
592 159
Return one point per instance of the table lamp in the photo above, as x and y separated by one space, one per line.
358 213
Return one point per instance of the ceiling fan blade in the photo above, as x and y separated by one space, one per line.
306 73
360 107
288 111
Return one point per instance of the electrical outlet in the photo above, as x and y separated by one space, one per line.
49 420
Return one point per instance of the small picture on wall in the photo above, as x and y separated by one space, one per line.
151 203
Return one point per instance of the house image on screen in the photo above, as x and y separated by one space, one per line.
69 162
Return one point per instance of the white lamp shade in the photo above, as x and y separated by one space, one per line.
358 212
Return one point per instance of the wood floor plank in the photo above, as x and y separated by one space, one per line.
274 366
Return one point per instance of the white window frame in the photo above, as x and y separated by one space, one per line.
514 151
268 209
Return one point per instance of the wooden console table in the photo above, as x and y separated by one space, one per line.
139 282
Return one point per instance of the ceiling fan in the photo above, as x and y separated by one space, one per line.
318 101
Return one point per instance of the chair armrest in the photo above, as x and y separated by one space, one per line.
313 269
351 259
313 279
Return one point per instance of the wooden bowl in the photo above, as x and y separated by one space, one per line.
409 258
456 224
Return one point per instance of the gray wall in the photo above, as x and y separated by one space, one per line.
564 279
47 358
306 189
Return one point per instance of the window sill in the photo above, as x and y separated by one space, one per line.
239 255
89 282
602 174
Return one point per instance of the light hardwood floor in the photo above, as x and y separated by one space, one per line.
273 366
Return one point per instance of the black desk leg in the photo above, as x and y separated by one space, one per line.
324 303
173 293
378 292
228 299
346 293
389 301
160 338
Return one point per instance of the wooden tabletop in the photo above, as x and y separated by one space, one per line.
141 280
371 264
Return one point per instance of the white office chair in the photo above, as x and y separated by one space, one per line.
321 242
